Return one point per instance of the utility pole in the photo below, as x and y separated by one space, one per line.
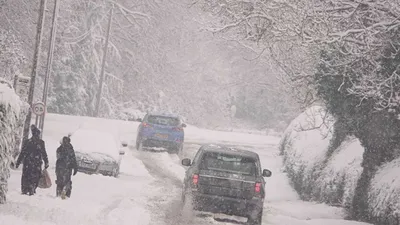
103 63
36 55
49 61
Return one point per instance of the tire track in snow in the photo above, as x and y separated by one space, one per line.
167 204
105 212
166 186
152 164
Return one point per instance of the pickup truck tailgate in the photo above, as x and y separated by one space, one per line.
225 185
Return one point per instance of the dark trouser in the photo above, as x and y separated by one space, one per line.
30 179
64 181
67 187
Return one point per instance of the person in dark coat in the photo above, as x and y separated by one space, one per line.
66 162
32 155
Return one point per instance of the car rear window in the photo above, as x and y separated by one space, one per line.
229 163
163 120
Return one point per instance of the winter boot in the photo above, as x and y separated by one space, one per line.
68 189
58 192
63 193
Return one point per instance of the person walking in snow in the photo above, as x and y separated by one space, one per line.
32 155
66 162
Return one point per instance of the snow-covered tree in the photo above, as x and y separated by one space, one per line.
9 119
293 32
11 55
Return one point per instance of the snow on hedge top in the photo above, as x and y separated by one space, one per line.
307 138
384 195
343 166
348 155
314 118
8 96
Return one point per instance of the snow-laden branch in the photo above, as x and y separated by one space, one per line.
128 11
358 29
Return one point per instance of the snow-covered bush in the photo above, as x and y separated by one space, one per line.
9 118
384 194
18 131
338 179
304 146
315 174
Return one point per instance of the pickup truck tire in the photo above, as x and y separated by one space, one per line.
180 151
187 213
139 146
255 221
116 172
175 150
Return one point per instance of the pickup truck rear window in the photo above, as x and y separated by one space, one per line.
228 163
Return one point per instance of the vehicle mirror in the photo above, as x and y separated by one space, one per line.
124 144
266 173
121 152
183 125
186 162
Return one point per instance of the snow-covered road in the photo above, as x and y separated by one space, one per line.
149 188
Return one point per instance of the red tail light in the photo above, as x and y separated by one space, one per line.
146 125
195 179
257 188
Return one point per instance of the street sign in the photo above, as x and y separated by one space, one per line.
38 108
22 87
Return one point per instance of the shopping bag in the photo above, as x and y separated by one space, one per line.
45 181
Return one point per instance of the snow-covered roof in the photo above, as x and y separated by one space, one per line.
164 114
90 141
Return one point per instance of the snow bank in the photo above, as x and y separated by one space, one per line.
304 146
268 132
130 114
335 222
132 166
9 118
384 195
197 135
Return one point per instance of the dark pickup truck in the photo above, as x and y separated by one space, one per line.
225 180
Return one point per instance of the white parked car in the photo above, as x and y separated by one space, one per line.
97 152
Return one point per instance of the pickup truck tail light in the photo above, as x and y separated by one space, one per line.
177 129
195 179
257 187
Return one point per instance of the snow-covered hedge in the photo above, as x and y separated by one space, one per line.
10 111
304 147
338 179
332 178
384 195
